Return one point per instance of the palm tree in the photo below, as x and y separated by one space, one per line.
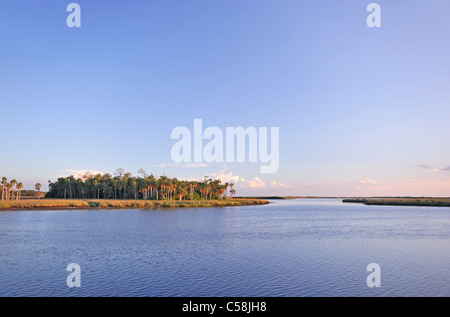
126 186
222 191
154 189
226 188
38 188
116 181
192 189
8 190
4 179
125 178
105 188
169 186
19 188
13 184
182 191
134 187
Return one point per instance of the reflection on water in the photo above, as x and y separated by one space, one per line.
311 247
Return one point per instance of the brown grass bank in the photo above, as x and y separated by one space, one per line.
118 203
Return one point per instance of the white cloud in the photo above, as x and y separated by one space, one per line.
240 181
368 181
80 173
433 169
256 183
280 184
417 181
365 181
185 165
226 177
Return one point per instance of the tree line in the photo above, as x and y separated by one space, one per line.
13 190
126 186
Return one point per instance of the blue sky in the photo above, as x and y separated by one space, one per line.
361 111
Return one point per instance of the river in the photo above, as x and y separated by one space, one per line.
309 247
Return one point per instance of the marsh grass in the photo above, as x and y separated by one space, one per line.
113 203
402 201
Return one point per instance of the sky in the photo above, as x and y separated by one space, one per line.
361 111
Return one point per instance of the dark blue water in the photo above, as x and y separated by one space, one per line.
287 248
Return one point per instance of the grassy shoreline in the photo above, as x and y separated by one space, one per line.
120 204
405 201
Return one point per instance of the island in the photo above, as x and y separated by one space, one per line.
122 190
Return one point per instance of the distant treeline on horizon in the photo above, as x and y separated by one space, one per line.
13 190
125 186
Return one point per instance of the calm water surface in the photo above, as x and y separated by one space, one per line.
288 248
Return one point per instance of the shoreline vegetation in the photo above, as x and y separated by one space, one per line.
49 203
386 201
147 187
402 201
123 190
147 191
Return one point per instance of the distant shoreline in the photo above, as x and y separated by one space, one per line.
286 197
380 201
402 201
49 204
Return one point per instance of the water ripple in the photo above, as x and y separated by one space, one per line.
293 248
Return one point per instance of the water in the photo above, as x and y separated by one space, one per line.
288 248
